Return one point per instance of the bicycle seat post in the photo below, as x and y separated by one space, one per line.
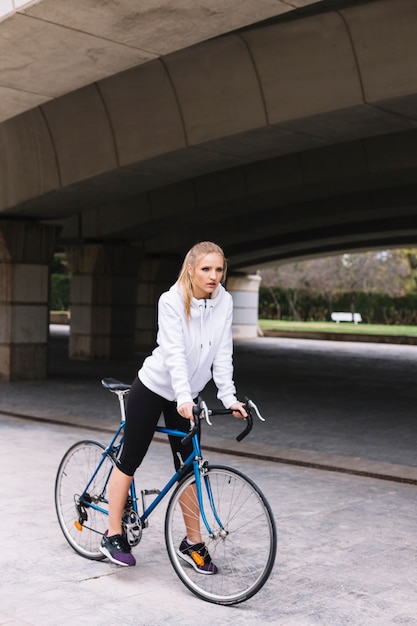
120 397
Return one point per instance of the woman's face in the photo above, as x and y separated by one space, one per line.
206 274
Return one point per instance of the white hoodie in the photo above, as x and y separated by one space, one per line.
191 352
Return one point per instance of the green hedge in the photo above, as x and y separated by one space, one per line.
60 292
304 305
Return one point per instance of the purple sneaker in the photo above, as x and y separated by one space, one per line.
197 556
117 550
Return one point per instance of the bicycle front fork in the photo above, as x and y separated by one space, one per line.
203 478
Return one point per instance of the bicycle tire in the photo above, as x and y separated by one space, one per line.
83 526
244 553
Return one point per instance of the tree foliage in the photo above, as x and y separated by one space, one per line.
60 284
312 289
393 272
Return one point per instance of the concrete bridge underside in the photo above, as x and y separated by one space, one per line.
289 138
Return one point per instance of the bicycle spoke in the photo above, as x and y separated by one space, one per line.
79 487
243 547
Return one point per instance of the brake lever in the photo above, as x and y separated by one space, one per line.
253 406
205 411
199 408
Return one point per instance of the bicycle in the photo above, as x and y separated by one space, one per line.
236 520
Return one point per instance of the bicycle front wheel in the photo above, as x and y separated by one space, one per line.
80 497
242 542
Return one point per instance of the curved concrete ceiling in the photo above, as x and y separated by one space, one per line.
51 47
285 139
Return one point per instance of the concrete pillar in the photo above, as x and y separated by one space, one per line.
155 276
103 294
26 250
245 292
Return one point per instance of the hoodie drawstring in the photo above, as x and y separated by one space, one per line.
210 324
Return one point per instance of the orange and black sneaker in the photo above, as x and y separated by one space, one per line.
197 556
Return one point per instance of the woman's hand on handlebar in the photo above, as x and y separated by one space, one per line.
239 410
186 410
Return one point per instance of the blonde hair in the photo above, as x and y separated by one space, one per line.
185 281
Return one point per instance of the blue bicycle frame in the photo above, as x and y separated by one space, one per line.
193 461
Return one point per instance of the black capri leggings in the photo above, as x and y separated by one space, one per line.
143 410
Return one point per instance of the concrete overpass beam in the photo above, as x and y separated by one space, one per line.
217 89
299 81
26 249
103 290
82 137
245 293
386 54
28 161
143 112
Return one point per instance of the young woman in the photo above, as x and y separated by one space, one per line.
194 345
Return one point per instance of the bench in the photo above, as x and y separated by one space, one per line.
339 316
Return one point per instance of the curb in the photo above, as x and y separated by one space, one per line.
274 454
354 337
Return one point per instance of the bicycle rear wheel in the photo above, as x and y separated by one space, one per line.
81 484
244 541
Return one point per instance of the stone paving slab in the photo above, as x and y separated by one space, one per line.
346 553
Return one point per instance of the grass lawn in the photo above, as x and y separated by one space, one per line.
342 327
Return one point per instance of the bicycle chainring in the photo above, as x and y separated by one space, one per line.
132 526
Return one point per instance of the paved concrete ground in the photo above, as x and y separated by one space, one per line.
346 553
